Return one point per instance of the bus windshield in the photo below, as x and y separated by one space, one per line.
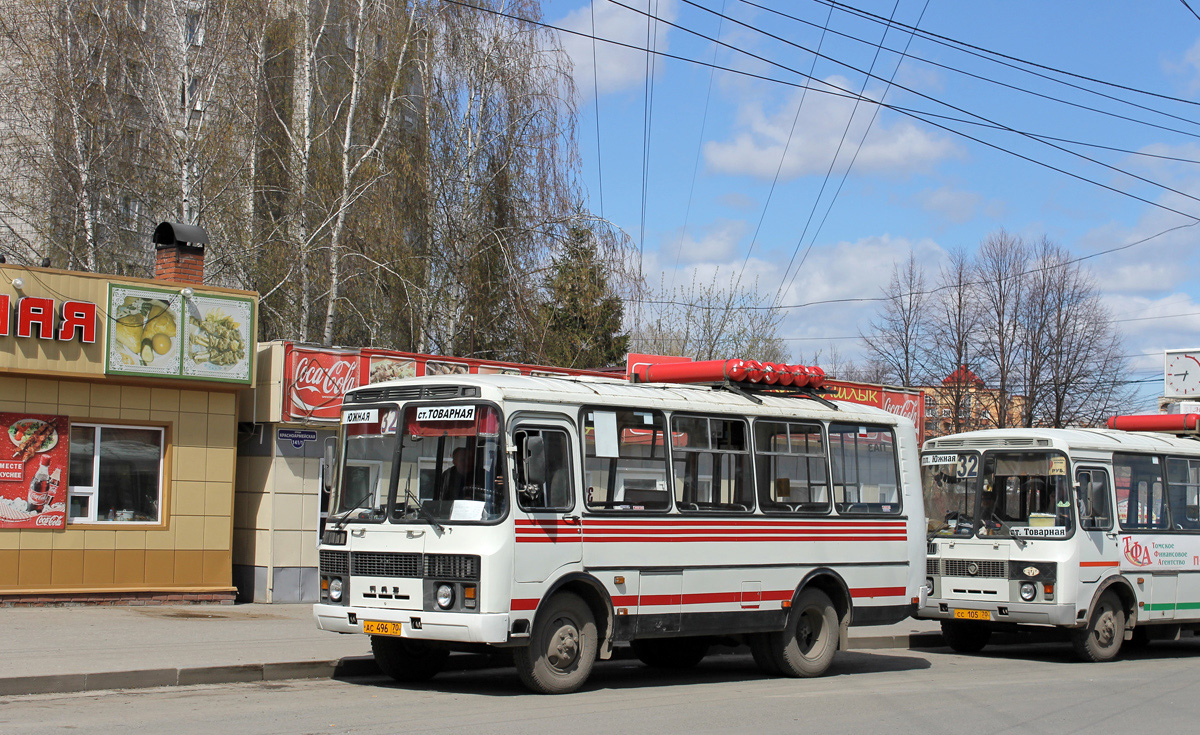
449 465
368 453
1025 495
950 484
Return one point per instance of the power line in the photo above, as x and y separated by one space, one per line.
915 31
1189 7
946 104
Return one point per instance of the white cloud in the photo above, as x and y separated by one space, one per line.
717 242
761 136
615 68
955 205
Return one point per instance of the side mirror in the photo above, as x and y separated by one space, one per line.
534 460
329 464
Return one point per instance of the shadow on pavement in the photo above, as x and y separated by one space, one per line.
495 676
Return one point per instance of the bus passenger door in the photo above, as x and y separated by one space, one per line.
548 530
1098 547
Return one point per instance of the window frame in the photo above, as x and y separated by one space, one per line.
519 469
823 455
612 506
93 491
1086 519
747 453
833 467
1162 526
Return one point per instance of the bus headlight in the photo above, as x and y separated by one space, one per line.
1028 591
929 586
335 589
445 596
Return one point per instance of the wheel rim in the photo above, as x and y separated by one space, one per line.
562 652
1106 628
808 629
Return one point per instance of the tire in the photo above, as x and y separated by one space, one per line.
408 660
562 647
760 648
965 637
670 653
805 647
1100 640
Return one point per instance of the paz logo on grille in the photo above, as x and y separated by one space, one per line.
973 569
1031 571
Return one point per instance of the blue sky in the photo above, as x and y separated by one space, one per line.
717 142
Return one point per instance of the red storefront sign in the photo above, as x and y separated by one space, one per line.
902 403
34 468
316 381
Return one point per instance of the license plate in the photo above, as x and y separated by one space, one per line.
380 627
972 614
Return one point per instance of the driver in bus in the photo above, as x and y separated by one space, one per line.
458 481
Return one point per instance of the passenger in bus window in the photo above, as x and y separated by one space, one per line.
458 481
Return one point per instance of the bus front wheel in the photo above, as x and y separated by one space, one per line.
406 660
562 647
964 637
806 646
1101 638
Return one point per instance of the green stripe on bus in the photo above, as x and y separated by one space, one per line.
1174 606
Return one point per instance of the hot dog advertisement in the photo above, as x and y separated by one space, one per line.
34 467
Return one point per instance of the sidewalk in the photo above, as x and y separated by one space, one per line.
74 649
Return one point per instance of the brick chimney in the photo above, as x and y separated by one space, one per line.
179 253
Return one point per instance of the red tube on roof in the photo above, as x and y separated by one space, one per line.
708 371
1170 423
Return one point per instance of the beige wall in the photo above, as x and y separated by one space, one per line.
190 549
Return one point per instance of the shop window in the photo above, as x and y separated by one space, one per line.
115 475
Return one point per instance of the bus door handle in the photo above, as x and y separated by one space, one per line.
571 519
1111 534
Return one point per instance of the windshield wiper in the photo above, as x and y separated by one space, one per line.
345 516
420 508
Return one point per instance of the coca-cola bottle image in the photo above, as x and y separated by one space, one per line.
39 488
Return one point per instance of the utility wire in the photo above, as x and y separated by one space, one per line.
841 92
961 45
915 31
936 101
1189 7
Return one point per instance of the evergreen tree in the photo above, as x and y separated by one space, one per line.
582 315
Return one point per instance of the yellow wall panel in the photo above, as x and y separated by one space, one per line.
129 567
41 391
100 539
33 568
130 539
217 532
98 566
218 499
218 569
164 399
189 532
193 401
189 463
10 560
160 540
189 568
66 568
219 464
188 497
222 403
71 538
106 395
193 432
135 396
222 432
10 539
160 566
74 393
37 538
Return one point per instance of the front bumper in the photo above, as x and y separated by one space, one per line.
433 626
1038 613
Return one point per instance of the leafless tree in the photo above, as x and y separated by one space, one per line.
1000 266
954 338
897 335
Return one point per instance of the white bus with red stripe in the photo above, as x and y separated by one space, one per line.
560 517
1095 531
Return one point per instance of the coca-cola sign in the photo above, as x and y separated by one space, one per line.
316 382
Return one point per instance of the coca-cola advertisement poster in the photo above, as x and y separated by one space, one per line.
34 468
316 381
909 405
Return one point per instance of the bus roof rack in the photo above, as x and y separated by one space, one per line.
744 377
1166 423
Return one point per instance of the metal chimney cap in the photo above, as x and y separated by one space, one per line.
175 233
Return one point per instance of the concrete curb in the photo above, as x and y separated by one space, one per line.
345 668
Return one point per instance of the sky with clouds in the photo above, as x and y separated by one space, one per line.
791 161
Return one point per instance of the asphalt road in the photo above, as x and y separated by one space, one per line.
1013 689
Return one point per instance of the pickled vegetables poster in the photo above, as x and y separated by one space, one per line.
155 332
34 470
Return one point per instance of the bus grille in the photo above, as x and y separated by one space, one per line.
385 564
933 566
983 568
334 562
452 566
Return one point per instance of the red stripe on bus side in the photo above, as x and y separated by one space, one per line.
712 598
1099 563
878 592
527 604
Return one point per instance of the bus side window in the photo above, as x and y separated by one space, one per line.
1183 493
544 469
1094 511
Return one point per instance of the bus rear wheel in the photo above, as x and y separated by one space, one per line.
965 637
670 653
562 647
805 647
407 660
1100 640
